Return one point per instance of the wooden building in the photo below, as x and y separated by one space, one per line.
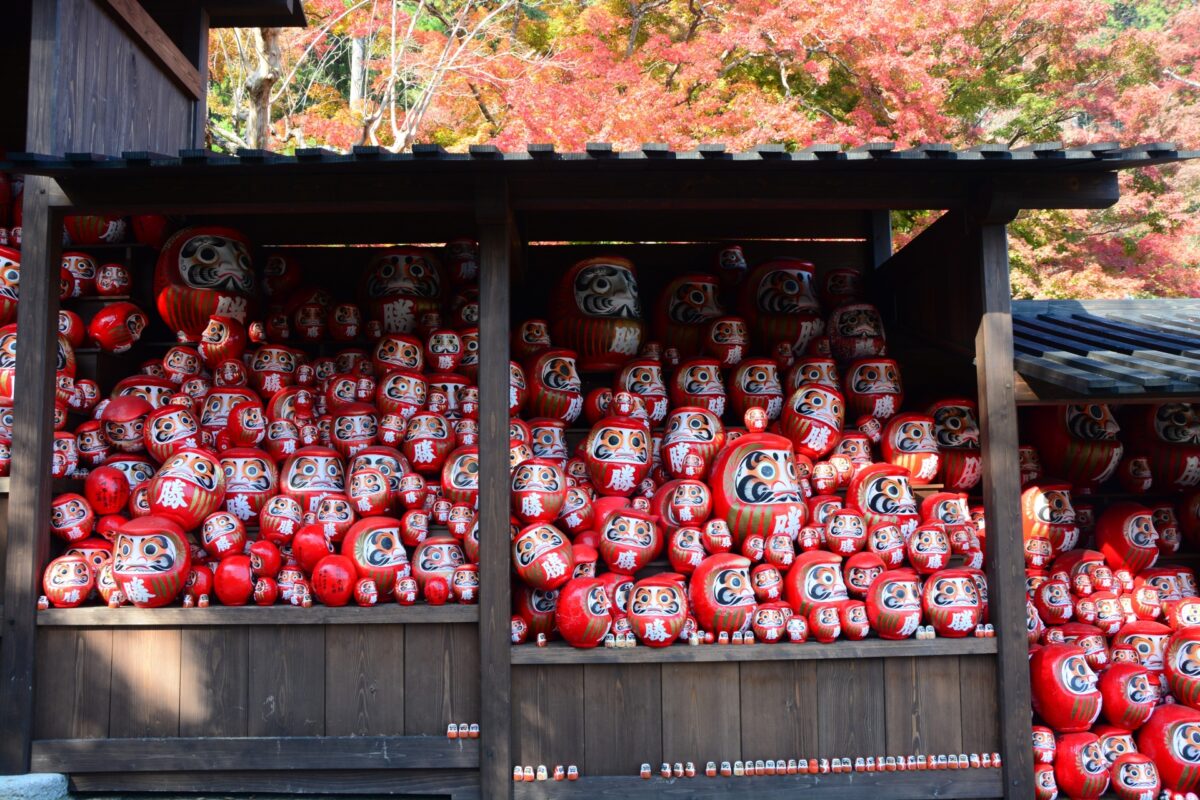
356 700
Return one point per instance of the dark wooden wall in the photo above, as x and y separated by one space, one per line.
94 88
285 680
609 719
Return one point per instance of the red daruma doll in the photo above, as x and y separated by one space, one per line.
151 560
202 272
543 557
1064 688
754 485
721 593
894 604
951 602
617 453
583 613
658 609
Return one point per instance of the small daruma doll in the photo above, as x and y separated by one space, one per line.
698 383
543 557
815 581
754 485
629 540
583 613
894 604
812 418
956 428
68 580
908 441
692 437
596 312
1126 536
721 593
1047 513
188 487
554 386
202 272
883 495
1171 738
374 545
151 560
856 331
658 609
951 602
684 310
755 383
311 473
617 453
873 387
1064 688
539 489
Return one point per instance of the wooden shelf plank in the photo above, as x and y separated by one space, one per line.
562 653
960 783
257 753
177 616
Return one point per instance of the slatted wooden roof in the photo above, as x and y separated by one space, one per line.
1101 155
1108 348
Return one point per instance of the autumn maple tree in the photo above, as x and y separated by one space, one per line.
748 72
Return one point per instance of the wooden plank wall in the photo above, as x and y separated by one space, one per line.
106 94
609 719
292 680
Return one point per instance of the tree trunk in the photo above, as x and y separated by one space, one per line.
259 84
358 72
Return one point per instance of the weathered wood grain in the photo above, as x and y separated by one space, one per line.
364 690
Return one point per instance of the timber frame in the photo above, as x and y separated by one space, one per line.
947 290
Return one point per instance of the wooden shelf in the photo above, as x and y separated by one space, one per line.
959 783
562 653
177 616
257 753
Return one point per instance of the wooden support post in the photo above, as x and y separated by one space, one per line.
496 230
29 500
880 223
1001 498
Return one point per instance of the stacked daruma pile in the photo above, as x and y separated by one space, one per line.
802 524
293 445
1113 610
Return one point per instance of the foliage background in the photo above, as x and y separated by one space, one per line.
747 72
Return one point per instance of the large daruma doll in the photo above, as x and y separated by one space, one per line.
399 286
754 484
201 272
1077 442
151 560
596 312
1172 738
778 300
1064 688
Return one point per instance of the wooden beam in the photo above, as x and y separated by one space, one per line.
496 232
181 754
561 653
851 786
157 44
176 617
1001 497
33 433
456 784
